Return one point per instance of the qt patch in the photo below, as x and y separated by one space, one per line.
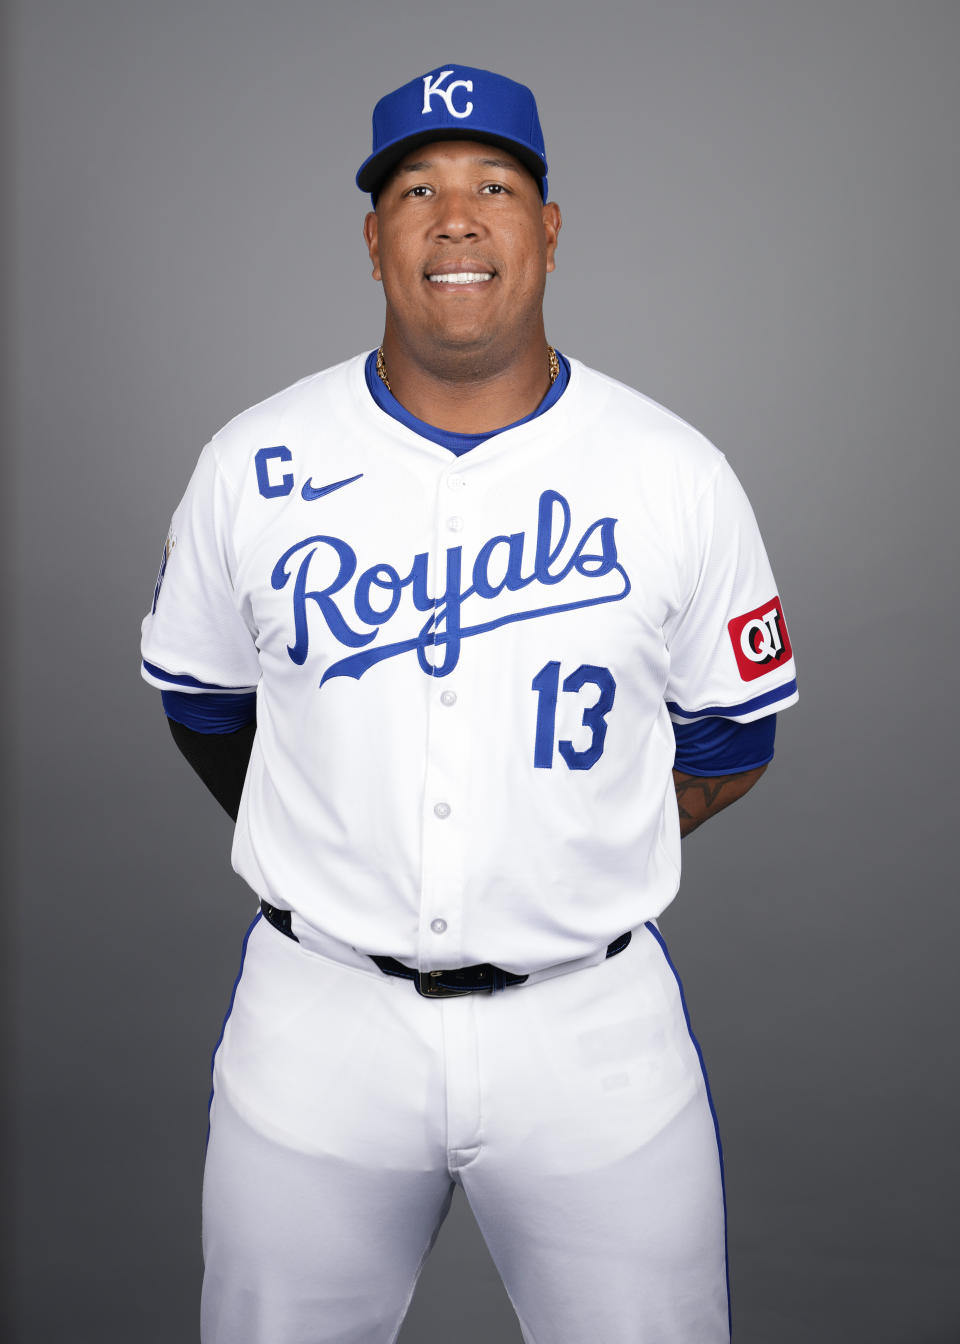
760 640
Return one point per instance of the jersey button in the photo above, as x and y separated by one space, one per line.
441 810
439 926
455 524
448 697
455 482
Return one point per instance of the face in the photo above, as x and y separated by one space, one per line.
462 244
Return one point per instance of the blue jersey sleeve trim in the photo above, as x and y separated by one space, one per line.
745 707
210 713
173 679
718 746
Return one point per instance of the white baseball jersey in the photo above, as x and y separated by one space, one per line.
466 668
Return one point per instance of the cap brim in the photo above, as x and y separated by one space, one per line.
375 170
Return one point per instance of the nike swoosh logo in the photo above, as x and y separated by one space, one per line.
311 491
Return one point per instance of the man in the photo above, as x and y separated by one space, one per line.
498 630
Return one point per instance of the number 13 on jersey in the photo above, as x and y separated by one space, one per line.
548 687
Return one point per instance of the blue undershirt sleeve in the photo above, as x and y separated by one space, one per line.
210 712
714 746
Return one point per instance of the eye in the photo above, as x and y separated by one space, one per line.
419 191
495 189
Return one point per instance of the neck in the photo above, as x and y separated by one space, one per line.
468 391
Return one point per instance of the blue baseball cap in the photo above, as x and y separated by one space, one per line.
455 102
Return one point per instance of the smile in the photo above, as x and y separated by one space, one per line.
461 278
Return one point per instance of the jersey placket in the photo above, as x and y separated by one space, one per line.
444 821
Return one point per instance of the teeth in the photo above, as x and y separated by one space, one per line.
461 278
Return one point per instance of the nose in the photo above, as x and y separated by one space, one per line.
456 218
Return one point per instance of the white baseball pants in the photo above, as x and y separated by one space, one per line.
573 1111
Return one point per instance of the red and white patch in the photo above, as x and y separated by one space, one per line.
760 640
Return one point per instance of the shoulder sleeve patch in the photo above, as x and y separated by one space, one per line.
760 640
168 546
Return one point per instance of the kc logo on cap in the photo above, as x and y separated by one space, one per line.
429 89
449 103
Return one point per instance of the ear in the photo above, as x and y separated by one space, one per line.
371 239
552 223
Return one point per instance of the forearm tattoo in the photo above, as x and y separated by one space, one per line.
699 798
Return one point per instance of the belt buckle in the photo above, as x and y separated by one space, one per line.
428 985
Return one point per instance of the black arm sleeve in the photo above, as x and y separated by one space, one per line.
220 759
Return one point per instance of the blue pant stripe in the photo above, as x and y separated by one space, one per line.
652 928
233 995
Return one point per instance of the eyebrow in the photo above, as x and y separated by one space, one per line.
423 164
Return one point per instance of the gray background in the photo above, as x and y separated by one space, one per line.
761 212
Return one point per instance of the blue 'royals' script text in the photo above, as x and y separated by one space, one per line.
593 557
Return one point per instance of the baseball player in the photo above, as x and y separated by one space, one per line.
465 635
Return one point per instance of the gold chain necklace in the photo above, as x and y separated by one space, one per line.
553 363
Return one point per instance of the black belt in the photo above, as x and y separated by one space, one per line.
280 919
438 984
